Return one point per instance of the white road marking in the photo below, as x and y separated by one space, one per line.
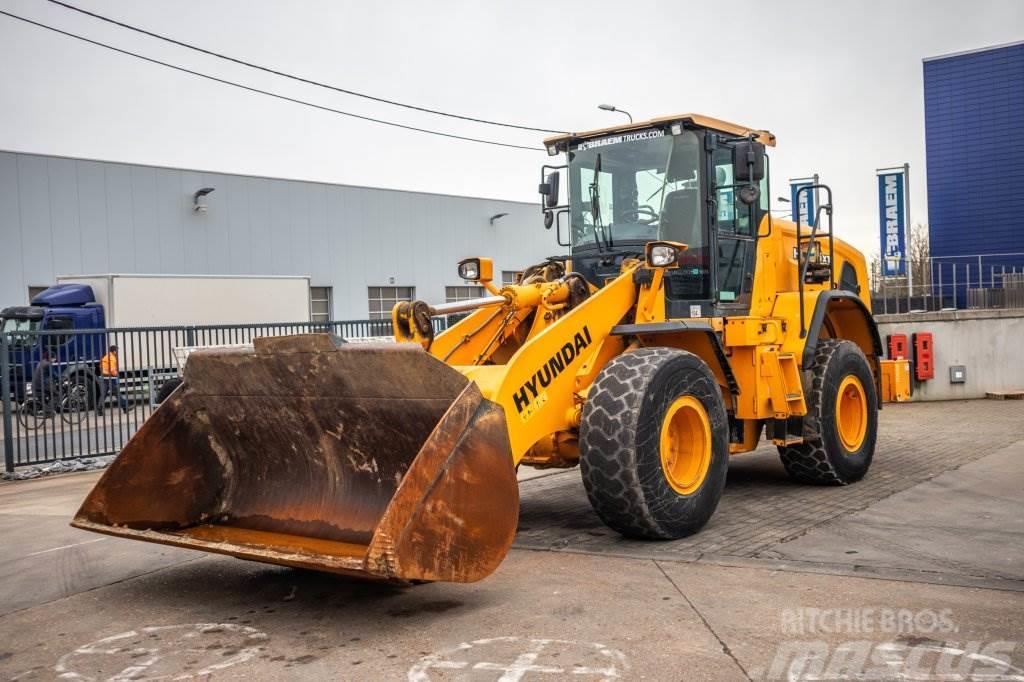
163 652
613 662
57 549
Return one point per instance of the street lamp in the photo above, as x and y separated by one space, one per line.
611 107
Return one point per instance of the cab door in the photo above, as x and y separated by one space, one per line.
734 226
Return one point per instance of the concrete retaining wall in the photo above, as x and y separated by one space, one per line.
990 343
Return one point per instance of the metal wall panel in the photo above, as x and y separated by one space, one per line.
260 227
69 216
120 231
239 232
34 214
92 217
12 267
145 222
172 208
974 137
64 215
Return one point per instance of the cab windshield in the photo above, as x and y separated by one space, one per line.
12 324
636 186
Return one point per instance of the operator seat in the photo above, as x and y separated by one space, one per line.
681 222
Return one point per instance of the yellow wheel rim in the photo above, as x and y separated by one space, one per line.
851 413
686 444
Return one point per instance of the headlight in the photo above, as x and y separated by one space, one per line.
662 255
470 269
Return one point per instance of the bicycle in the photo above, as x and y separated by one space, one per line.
34 411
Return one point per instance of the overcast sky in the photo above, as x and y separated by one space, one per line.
838 83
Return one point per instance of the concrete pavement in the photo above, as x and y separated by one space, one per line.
921 576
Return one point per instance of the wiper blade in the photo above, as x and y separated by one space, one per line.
595 204
595 207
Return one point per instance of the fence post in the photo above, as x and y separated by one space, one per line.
954 285
909 285
5 387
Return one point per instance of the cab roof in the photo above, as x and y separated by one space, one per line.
698 120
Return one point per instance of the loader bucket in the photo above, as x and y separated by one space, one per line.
375 460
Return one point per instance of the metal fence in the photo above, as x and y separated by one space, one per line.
953 282
70 409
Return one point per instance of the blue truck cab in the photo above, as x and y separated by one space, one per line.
64 320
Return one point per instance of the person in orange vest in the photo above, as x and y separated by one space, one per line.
108 371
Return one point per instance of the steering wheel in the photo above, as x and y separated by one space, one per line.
641 211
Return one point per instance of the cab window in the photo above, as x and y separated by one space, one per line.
59 323
731 214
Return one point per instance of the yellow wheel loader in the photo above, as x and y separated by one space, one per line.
686 325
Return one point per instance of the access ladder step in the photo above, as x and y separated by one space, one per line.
791 380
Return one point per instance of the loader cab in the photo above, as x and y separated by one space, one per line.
675 181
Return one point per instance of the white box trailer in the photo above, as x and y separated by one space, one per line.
132 301
172 300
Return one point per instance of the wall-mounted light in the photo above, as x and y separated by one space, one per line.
198 205
496 217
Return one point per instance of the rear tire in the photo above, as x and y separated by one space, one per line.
837 450
32 413
654 444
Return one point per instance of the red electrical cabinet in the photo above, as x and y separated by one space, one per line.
924 356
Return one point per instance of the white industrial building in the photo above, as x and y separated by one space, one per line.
363 248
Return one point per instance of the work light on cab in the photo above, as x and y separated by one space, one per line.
476 269
664 254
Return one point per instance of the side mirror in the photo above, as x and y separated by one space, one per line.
748 194
748 161
549 189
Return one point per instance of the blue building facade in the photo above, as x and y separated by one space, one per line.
974 135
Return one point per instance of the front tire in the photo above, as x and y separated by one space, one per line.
841 424
85 388
654 444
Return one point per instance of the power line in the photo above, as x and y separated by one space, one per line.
300 79
267 92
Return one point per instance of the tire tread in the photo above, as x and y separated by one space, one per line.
809 462
610 445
